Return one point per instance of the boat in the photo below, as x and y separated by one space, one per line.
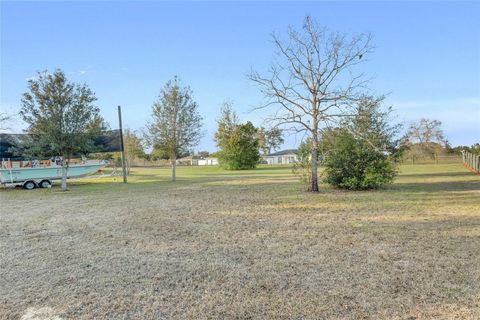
42 175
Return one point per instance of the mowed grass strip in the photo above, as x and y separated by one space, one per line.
249 244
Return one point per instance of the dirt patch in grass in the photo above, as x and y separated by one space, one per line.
253 247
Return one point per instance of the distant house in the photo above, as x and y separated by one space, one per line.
188 161
207 162
197 161
281 157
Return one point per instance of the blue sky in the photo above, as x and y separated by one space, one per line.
427 56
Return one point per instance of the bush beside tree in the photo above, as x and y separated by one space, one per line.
302 167
352 164
363 153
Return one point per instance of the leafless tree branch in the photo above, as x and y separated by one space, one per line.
313 79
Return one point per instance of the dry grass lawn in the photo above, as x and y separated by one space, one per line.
243 245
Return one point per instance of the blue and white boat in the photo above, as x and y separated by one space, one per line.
42 176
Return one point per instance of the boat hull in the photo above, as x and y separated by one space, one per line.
47 173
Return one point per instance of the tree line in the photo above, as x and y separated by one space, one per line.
313 87
63 120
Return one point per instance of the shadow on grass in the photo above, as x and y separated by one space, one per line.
436 175
275 180
271 184
437 186
281 189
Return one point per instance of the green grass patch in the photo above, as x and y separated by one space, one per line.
243 244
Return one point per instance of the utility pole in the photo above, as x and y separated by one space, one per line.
124 168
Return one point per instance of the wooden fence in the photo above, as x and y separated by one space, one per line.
471 161
433 158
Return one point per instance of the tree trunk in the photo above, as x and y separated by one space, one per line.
314 162
174 167
64 173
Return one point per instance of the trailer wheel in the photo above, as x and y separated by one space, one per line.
29 185
45 184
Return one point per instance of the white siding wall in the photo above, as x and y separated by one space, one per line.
284 159
208 162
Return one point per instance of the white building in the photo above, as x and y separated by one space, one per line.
197 161
207 162
281 157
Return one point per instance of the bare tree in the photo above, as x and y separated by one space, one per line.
425 132
4 119
133 145
312 81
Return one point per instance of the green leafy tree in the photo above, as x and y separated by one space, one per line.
475 148
159 154
133 145
61 117
269 139
363 153
238 143
176 122
215 154
204 154
106 156
303 164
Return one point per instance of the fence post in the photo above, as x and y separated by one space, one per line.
471 160
436 157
